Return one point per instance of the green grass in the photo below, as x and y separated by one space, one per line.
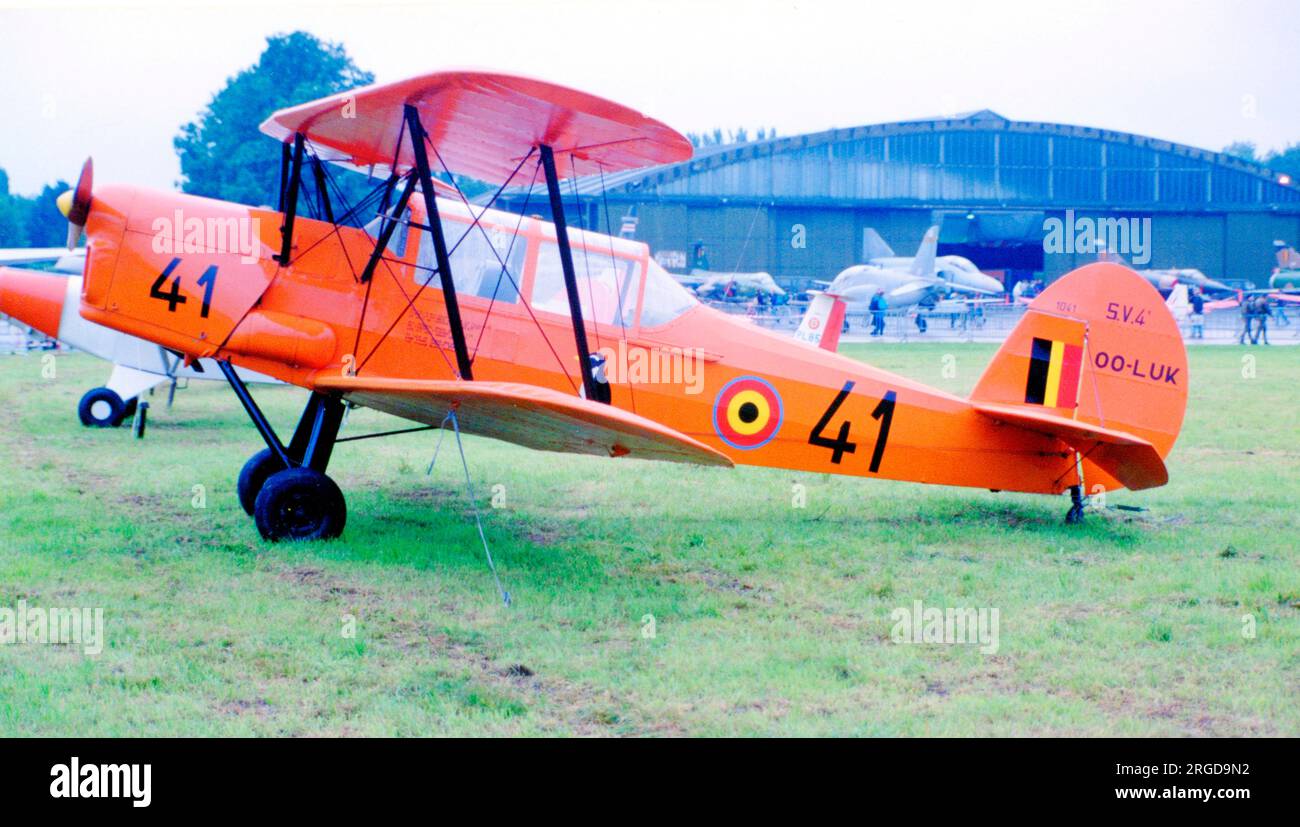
768 619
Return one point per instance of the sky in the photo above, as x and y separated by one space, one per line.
117 79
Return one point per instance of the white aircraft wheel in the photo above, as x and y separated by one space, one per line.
101 408
300 504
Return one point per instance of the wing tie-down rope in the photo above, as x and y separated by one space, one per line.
469 494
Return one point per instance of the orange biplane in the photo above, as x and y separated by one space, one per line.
417 303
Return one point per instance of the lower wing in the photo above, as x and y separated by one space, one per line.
527 415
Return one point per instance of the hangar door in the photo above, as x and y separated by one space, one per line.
1009 241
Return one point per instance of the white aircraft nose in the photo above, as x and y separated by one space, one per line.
989 283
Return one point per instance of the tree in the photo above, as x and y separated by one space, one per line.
1245 150
46 226
716 137
1286 160
222 153
13 214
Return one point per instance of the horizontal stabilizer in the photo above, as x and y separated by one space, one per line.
527 415
1133 461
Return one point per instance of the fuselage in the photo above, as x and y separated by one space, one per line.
856 285
759 397
958 271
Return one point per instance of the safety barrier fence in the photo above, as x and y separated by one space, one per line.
993 321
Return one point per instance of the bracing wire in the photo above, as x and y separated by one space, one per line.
613 262
518 289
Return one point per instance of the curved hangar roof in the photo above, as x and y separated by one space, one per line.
980 157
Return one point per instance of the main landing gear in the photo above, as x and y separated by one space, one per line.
285 488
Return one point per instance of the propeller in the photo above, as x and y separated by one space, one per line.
75 203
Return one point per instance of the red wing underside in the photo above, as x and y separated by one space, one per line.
482 125
526 415
1131 460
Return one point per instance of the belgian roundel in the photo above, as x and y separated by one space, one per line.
747 413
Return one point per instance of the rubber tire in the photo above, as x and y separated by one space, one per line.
253 476
299 504
85 408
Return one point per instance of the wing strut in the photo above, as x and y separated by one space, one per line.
570 278
417 134
290 199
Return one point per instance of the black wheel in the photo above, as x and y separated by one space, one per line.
300 504
253 476
101 408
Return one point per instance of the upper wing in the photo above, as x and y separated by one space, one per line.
1132 460
527 415
482 125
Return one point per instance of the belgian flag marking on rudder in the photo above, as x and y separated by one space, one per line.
1054 369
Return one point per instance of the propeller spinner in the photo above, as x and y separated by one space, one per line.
75 203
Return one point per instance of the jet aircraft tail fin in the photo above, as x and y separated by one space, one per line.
923 264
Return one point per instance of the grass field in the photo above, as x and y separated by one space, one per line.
648 598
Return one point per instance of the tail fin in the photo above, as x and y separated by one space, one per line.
1097 348
823 322
873 246
923 264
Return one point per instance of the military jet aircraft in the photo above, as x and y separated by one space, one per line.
1164 280
1286 276
903 286
959 271
735 286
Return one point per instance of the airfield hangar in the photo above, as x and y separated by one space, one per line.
798 206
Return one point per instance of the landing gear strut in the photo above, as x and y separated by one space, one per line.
285 488
1075 515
